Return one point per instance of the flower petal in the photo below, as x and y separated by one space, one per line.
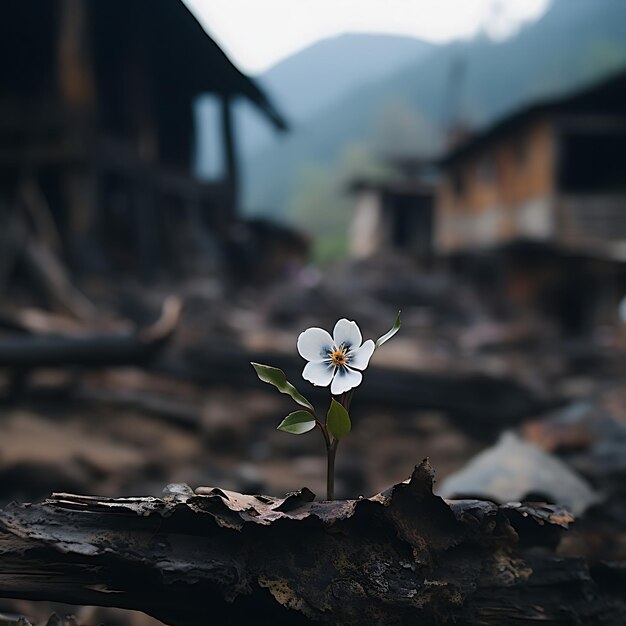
319 373
344 380
314 344
360 357
348 333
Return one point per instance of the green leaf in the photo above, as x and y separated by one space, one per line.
298 423
338 420
388 335
276 377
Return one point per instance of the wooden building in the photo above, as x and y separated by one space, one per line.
533 210
393 213
97 130
552 172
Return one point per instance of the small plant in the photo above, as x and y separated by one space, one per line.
336 361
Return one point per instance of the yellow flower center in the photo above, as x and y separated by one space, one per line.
338 357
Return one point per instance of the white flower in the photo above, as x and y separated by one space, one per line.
335 360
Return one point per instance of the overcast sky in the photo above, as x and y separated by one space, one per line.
258 33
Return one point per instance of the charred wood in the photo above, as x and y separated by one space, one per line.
21 353
30 351
403 556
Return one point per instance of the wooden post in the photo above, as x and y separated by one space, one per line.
77 84
80 197
145 214
77 93
230 157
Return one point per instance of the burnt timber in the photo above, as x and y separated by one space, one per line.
403 556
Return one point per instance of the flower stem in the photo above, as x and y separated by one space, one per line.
331 452
331 448
324 432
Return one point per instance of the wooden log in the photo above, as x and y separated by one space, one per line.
24 352
215 556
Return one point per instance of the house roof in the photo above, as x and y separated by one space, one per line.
183 58
195 47
605 96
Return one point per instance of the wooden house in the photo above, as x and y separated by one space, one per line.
393 212
533 209
97 130
552 172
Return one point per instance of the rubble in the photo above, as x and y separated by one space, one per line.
197 414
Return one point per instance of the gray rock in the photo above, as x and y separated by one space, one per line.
512 469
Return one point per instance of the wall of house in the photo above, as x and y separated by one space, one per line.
366 233
391 222
500 191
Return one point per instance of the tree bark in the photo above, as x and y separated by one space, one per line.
214 556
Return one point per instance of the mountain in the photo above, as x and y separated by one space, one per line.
576 41
309 81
